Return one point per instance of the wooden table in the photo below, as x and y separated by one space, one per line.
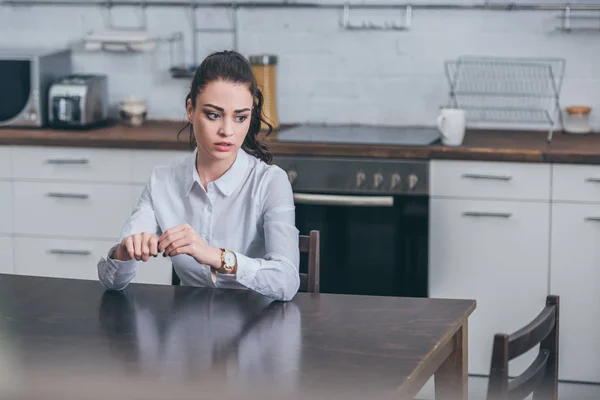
69 339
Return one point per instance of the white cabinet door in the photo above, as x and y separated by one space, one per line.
71 164
60 258
575 277
156 270
5 163
495 252
74 210
6 208
7 265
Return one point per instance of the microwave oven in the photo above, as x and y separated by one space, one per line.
25 79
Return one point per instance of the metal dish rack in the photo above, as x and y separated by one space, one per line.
507 90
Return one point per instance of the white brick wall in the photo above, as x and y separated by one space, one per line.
325 74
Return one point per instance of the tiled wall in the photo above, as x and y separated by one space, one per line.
326 74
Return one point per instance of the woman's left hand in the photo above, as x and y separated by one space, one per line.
183 239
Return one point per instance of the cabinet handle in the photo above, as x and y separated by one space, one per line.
593 180
487 214
484 176
61 161
70 252
68 195
594 219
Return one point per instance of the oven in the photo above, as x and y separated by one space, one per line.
372 215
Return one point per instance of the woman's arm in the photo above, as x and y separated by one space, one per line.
115 274
277 274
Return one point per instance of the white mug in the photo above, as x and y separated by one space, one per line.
451 124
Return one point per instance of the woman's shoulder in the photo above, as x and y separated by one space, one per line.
170 171
267 172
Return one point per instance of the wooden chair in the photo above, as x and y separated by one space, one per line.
309 281
541 377
310 245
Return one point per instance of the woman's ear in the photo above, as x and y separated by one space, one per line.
189 108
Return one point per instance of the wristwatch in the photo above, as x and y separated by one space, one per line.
228 261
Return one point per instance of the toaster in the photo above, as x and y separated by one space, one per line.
78 101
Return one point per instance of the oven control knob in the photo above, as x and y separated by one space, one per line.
395 180
377 180
292 176
360 178
412 181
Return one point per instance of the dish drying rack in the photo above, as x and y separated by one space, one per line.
507 90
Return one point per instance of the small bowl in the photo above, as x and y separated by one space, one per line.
133 112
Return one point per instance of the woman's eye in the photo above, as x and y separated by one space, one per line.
212 115
241 118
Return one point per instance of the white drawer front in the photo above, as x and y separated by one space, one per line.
7 265
155 271
59 258
576 183
72 164
6 209
144 161
491 180
5 169
71 209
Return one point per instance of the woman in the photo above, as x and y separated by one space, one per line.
223 214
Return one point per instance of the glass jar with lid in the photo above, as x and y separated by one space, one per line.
577 119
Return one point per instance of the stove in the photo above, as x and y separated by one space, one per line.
353 134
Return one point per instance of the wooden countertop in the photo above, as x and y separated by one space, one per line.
484 145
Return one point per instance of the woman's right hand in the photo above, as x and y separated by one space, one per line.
139 246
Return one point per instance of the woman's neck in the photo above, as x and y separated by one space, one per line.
210 170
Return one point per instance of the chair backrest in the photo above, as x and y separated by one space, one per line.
541 377
310 244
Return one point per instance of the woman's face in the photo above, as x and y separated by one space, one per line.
221 118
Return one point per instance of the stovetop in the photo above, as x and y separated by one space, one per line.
379 135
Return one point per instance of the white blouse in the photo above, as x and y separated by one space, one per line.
249 210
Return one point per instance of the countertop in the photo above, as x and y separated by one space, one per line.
483 145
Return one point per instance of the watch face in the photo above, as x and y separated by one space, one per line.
229 259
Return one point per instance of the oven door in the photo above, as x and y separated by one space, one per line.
370 245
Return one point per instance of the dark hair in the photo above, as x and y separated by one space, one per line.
231 66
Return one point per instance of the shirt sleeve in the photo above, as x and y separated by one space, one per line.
115 274
277 274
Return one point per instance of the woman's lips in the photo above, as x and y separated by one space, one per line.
224 146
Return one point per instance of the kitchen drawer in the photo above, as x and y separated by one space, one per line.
71 164
7 265
6 209
143 161
490 180
156 271
59 258
71 209
5 157
576 183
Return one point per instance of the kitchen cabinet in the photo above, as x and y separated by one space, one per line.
59 164
575 277
5 161
574 268
62 208
495 252
72 210
6 208
6 255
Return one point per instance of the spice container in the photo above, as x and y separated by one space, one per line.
264 67
577 119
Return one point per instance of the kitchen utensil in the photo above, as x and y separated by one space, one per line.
133 111
577 120
451 124
264 67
